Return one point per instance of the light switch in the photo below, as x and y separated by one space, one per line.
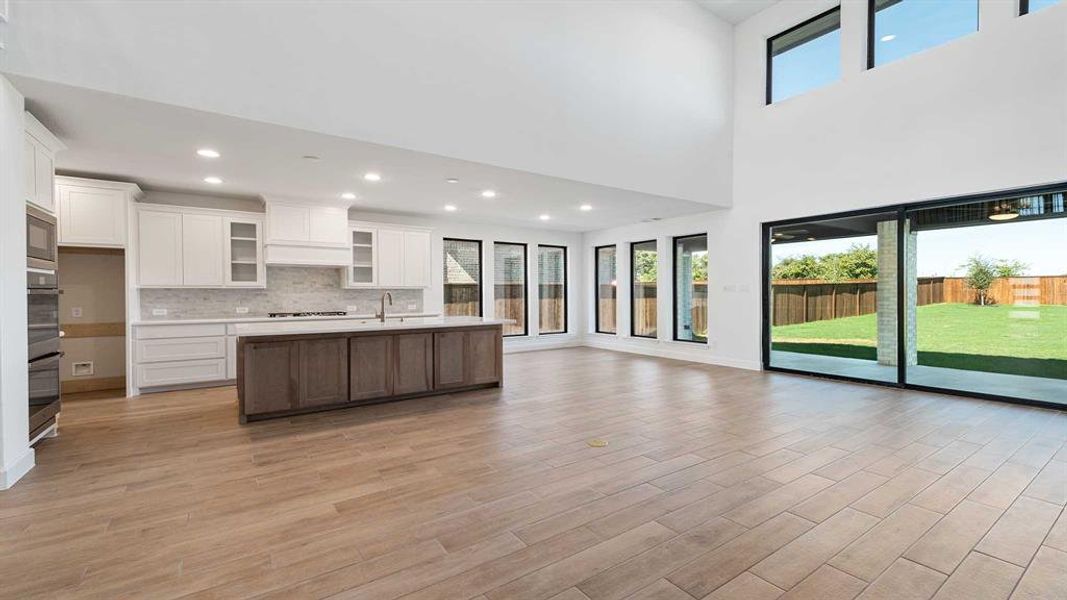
76 312
351 308
242 310
413 306
159 312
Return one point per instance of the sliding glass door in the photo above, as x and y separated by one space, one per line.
833 296
966 295
989 310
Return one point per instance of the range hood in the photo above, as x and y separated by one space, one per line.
307 233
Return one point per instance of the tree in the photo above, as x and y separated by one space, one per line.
860 261
980 274
645 266
1011 268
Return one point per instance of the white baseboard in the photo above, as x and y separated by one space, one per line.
674 350
541 342
15 471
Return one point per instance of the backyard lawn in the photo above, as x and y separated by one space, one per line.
1002 339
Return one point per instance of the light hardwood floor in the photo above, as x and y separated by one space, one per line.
716 483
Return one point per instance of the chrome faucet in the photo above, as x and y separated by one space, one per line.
381 315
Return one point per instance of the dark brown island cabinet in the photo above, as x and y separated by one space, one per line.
282 375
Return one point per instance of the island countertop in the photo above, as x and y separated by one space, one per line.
272 328
290 368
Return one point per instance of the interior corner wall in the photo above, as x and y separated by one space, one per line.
16 457
985 112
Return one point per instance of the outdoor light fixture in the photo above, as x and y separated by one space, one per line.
1003 210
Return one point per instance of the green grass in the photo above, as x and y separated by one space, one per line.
960 336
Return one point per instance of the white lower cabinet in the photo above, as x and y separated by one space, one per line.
180 373
170 355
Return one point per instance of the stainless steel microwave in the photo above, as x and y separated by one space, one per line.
42 251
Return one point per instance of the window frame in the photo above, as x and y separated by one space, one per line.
674 287
633 282
481 272
596 289
566 291
770 41
1024 7
525 286
902 210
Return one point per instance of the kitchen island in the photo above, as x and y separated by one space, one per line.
291 368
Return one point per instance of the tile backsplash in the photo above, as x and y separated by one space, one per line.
289 289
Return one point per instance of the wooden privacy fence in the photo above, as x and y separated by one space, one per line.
796 301
461 299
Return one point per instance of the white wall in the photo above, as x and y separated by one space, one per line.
634 94
16 457
452 228
984 112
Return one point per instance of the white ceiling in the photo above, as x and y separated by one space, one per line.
735 11
155 145
633 95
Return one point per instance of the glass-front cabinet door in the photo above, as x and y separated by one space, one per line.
244 253
364 269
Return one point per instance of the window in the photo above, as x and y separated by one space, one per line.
552 289
691 288
804 57
606 286
898 28
463 278
644 267
963 295
509 285
1028 6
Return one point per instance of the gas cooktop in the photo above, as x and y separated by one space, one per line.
312 313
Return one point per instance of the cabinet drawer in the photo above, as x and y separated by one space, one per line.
172 349
176 373
152 332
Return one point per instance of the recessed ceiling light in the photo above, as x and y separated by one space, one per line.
585 207
544 217
348 196
452 180
213 180
888 38
488 193
208 153
450 207
372 177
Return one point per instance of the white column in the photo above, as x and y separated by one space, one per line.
16 456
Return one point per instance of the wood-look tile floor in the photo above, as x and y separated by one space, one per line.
716 483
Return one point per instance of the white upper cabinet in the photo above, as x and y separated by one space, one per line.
39 152
93 213
416 259
202 250
192 247
243 246
159 248
390 256
307 234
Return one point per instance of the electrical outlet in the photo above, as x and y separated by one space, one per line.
351 308
159 312
413 306
76 312
82 369
242 310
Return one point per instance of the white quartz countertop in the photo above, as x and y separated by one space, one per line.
278 327
262 319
